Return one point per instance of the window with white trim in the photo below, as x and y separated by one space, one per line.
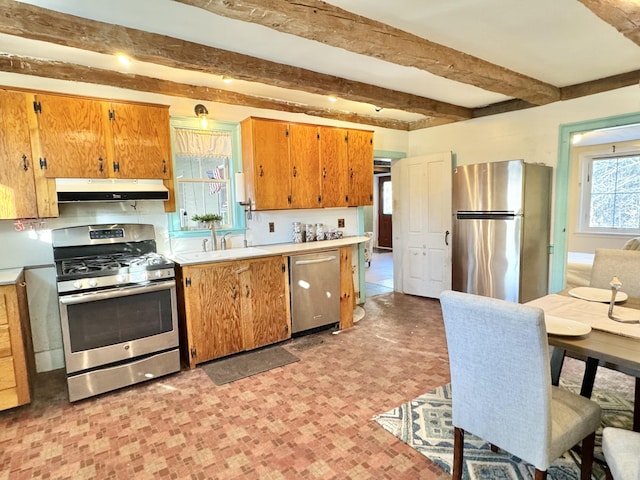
202 165
611 194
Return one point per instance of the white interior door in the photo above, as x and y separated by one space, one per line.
421 229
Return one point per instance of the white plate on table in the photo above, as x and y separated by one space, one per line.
596 294
565 327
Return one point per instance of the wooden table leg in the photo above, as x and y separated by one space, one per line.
557 359
636 407
590 369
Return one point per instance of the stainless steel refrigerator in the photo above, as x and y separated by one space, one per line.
501 229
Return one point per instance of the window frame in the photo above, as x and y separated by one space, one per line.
238 224
586 175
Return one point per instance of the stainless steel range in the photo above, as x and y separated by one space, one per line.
117 300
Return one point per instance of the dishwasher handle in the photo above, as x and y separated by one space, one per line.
316 260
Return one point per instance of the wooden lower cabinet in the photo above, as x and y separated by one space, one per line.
229 307
16 353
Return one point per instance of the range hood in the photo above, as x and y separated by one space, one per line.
109 190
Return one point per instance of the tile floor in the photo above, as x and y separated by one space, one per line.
378 275
307 420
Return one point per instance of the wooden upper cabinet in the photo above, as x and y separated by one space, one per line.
141 145
17 187
265 161
292 165
73 136
360 154
304 166
334 170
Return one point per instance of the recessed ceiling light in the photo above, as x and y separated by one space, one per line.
332 98
123 59
227 79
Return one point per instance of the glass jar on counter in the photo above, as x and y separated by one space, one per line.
296 233
310 232
319 231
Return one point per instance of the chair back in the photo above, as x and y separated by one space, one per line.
624 264
500 375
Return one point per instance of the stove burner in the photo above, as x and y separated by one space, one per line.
110 263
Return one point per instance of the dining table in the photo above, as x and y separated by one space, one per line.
590 334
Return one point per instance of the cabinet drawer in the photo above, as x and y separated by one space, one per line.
5 341
7 373
8 398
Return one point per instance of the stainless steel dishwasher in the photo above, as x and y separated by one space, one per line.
315 290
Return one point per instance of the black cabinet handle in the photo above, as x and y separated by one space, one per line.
25 167
164 166
100 165
261 172
295 172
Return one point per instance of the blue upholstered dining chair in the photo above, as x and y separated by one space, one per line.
621 450
501 385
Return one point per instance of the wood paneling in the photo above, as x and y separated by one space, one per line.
304 166
16 352
73 137
347 292
265 306
17 187
334 163
232 306
265 157
141 140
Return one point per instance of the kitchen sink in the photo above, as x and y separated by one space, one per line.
217 255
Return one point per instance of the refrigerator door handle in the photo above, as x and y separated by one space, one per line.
486 215
446 238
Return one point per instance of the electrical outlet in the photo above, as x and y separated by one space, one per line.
341 223
272 227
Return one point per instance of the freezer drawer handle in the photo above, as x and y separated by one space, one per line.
486 216
317 260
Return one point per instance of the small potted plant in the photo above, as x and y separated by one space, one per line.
208 220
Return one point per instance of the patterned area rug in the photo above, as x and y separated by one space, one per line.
425 425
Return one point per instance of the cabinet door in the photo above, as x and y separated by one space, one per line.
334 167
212 303
270 164
265 307
141 145
14 374
73 136
17 187
360 148
304 164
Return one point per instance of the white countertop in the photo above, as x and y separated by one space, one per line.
195 258
9 276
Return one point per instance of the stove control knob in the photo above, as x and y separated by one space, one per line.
93 283
158 273
144 276
77 285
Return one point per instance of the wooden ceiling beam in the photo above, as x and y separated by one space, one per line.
81 73
37 23
328 24
623 15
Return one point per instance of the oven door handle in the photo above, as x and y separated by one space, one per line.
116 292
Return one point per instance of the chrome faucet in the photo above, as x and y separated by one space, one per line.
223 242
204 244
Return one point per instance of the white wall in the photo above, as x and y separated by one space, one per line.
532 134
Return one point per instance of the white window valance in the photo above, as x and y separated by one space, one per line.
198 143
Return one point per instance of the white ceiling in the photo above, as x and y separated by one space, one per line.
560 42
